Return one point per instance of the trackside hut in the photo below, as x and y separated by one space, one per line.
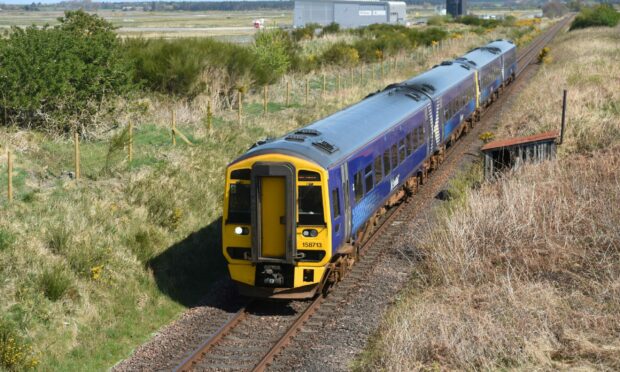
348 14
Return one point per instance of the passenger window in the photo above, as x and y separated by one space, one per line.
378 170
394 156
401 150
368 178
386 162
336 202
408 144
359 186
310 205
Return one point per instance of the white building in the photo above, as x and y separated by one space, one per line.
348 13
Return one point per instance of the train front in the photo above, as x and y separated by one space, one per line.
276 226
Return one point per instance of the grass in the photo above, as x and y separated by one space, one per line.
92 268
523 273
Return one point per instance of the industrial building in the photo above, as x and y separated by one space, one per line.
347 13
456 8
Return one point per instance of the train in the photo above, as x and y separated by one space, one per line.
297 208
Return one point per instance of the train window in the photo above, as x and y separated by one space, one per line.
358 185
336 202
420 136
408 144
368 178
378 170
305 175
394 156
240 174
386 162
239 203
414 139
401 150
310 205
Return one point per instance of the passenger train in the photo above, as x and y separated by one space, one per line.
297 208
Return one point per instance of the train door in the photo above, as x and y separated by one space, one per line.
336 196
273 212
344 172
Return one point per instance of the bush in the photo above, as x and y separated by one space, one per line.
58 79
341 54
305 33
54 283
332 28
599 15
275 52
438 20
15 352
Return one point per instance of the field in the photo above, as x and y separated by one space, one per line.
522 273
92 267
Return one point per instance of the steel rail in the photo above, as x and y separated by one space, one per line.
188 363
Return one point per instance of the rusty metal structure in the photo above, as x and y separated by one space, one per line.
511 153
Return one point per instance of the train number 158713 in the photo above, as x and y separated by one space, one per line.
311 245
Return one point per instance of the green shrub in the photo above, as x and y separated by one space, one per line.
332 28
6 240
305 33
599 15
341 54
54 283
15 353
57 79
275 51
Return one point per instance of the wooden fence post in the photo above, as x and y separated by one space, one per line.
10 175
76 144
240 102
324 85
361 74
265 100
288 93
209 115
372 68
307 89
130 142
338 86
174 127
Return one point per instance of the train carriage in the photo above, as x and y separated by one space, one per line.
298 206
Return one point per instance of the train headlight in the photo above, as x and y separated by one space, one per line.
310 233
240 230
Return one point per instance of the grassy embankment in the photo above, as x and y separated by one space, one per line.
524 273
91 268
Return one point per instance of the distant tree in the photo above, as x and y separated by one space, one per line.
275 51
554 9
59 79
596 16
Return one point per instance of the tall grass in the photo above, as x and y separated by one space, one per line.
525 272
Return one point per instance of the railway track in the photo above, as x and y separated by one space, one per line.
252 337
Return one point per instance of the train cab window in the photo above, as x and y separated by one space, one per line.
368 178
386 162
408 144
378 170
310 205
394 156
241 174
401 150
336 202
239 203
358 185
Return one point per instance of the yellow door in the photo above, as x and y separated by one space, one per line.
273 217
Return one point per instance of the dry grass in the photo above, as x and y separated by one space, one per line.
525 274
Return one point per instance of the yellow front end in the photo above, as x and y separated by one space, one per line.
287 256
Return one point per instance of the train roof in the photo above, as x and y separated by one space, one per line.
480 57
441 77
334 138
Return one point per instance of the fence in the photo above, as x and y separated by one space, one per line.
291 91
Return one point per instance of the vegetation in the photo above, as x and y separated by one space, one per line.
92 268
596 16
62 78
511 277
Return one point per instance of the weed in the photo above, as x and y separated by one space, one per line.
15 353
59 239
6 240
54 282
